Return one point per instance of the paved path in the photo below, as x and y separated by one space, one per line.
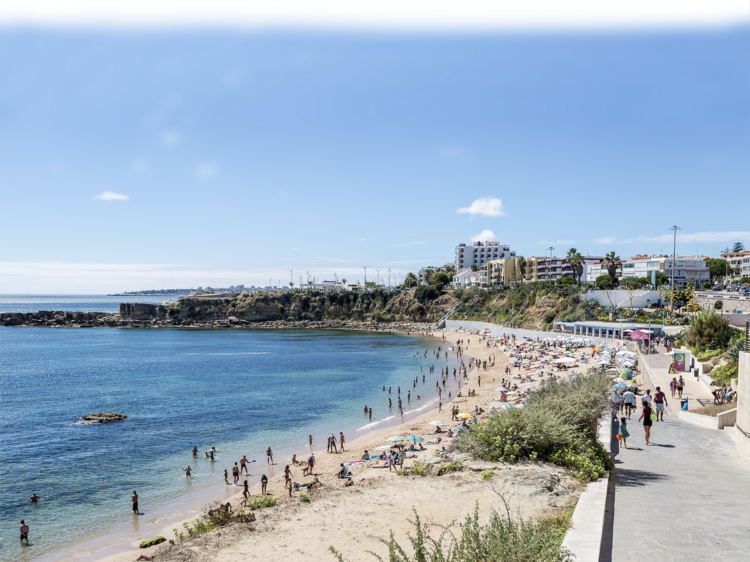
694 391
685 497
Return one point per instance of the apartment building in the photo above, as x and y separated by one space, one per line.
479 253
739 263
544 268
502 272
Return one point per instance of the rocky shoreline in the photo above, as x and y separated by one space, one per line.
68 319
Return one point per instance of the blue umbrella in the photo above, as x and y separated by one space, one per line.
620 386
414 438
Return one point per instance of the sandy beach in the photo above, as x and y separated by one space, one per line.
353 519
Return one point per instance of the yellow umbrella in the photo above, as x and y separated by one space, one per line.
465 416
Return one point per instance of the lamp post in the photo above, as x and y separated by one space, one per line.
674 257
549 265
365 267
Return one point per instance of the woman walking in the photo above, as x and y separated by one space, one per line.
673 386
680 386
647 422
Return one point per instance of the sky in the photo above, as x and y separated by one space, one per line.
139 153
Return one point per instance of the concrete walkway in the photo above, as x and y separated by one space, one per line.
685 497
695 391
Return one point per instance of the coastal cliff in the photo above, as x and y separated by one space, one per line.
378 309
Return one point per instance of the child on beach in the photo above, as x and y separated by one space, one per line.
624 432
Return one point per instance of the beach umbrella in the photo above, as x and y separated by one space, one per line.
414 438
464 416
382 447
566 360
621 386
395 438
438 423
460 428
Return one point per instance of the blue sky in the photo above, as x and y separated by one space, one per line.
243 154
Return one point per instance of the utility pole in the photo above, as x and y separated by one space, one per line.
549 265
726 268
674 257
389 277
365 277
378 281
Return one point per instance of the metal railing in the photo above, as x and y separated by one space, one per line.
747 336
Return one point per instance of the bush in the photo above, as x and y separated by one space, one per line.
440 280
549 316
266 501
417 469
709 331
503 539
559 423
459 293
304 498
604 282
152 542
426 292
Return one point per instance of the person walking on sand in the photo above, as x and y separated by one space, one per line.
263 484
646 417
390 461
246 493
287 474
235 474
187 471
341 440
134 498
269 455
24 531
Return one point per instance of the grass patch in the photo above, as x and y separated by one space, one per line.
416 469
504 539
714 411
559 423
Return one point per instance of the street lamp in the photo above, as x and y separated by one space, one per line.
674 257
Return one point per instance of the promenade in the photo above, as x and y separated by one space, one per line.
684 497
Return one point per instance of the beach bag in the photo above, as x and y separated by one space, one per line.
619 437
653 417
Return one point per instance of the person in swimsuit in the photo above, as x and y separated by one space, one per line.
34 498
187 471
269 455
646 417
341 440
24 532
243 464
134 497
263 484
195 451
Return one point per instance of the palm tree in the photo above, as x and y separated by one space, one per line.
575 259
343 282
611 261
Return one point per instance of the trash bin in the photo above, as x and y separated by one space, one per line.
695 373
684 404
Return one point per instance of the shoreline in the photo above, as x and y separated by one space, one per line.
122 541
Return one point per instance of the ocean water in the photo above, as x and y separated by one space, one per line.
239 391
74 303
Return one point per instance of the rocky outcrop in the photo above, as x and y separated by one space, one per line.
393 311
105 417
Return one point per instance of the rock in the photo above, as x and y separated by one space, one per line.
152 542
104 417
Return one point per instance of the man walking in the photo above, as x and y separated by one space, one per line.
134 497
629 398
341 440
660 401
24 532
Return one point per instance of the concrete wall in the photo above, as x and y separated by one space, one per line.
731 303
709 422
620 298
743 392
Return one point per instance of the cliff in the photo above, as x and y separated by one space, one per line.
309 308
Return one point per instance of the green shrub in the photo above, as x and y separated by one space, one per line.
266 501
448 468
558 423
416 469
487 474
152 542
304 498
426 292
503 539
549 316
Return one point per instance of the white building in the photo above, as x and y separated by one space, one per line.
479 252
694 269
466 278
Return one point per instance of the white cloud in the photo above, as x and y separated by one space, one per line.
169 139
485 235
206 171
111 196
407 244
561 242
385 14
485 207
455 152
687 238
606 240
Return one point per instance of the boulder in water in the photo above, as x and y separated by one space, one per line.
104 417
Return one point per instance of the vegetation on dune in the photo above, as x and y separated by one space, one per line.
505 538
558 423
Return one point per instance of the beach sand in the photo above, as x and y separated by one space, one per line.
353 519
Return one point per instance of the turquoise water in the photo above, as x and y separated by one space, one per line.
239 391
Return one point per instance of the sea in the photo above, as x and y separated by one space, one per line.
240 391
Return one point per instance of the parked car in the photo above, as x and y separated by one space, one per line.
656 305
